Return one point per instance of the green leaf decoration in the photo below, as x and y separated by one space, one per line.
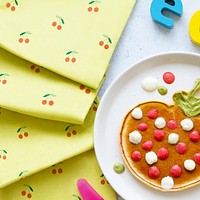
98 1
76 52
22 33
105 36
46 95
31 189
95 102
67 128
102 175
5 151
110 40
58 17
19 129
28 33
26 185
16 2
53 95
91 2
6 74
20 174
1 75
79 198
62 20
69 52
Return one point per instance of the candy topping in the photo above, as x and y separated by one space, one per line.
173 138
187 124
136 156
167 183
163 153
135 137
181 148
160 122
197 158
159 135
153 114
151 157
142 126
149 84
194 136
147 145
168 77
137 113
176 171
154 172
189 165
172 124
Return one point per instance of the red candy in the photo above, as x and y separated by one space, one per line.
197 158
153 114
176 171
136 156
142 126
159 135
163 153
172 124
154 172
181 148
147 145
194 136
168 77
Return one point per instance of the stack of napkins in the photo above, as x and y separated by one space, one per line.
53 59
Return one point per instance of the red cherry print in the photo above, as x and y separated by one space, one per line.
27 40
44 102
59 27
51 103
60 171
154 172
96 9
176 171
25 134
197 158
54 171
101 43
163 153
23 193
142 126
32 66
106 46
54 23
82 87
89 9
67 59
181 148
20 136
4 157
168 77
103 182
69 134
194 136
29 195
147 145
172 124
13 8
136 156
159 135
87 91
73 60
20 40
37 70
94 108
8 5
153 114
4 81
74 132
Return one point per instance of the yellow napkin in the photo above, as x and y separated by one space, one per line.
46 185
33 90
73 38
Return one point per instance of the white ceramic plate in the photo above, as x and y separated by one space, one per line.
125 93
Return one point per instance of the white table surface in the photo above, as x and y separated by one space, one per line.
142 38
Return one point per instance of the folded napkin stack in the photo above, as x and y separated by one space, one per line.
53 59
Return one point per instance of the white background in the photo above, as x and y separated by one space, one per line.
142 38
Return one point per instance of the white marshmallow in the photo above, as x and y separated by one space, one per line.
167 183
189 165
135 137
151 157
160 122
173 138
187 124
149 84
137 113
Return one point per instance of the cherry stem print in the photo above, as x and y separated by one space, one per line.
57 169
28 191
3 78
12 5
24 37
48 99
93 6
21 132
103 180
3 154
94 106
70 130
105 42
58 23
21 174
77 197
71 56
